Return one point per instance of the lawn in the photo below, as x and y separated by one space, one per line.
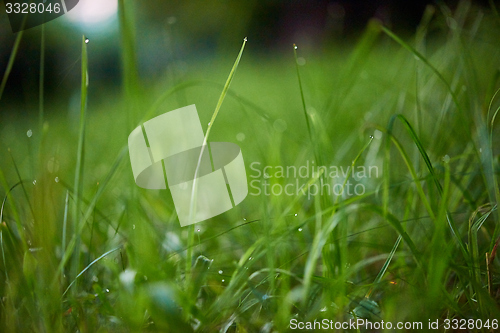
372 169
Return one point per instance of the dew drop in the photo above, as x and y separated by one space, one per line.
107 290
133 226
145 278
57 179
34 182
198 230
223 280
29 133
87 40
240 136
295 46
250 258
244 219
245 39
446 159
300 229
208 124
220 271
296 214
371 136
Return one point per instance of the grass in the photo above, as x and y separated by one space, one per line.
83 248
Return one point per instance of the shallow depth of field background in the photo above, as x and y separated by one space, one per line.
418 244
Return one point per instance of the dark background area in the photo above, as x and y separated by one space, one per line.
186 30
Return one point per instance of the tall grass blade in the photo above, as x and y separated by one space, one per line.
12 58
80 155
428 163
88 266
203 150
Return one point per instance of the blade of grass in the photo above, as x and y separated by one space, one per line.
205 140
428 163
90 209
80 154
12 57
88 266
387 262
304 108
323 234
354 66
432 68
41 80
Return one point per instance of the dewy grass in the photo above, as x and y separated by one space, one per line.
420 243
78 183
205 142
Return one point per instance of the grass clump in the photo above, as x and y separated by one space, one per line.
84 249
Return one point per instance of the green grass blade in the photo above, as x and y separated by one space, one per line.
80 154
41 80
432 68
12 58
203 150
304 108
88 266
102 187
385 266
428 163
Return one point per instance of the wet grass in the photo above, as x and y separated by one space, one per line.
83 248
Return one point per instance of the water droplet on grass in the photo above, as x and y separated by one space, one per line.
223 280
446 159
29 133
300 229
198 230
250 258
87 40
245 39
240 136
57 179
133 226
371 136
34 182
220 271
294 46
280 125
296 214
